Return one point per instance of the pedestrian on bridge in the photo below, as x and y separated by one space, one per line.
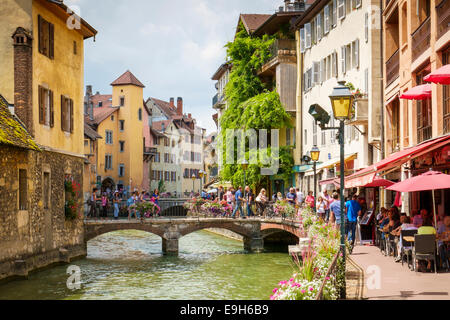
116 201
239 200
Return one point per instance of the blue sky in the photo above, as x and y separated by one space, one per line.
172 46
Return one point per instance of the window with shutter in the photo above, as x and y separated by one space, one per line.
334 14
334 64
41 104
316 72
51 110
326 17
308 35
356 45
46 36
63 113
302 40
366 81
71 116
348 57
366 26
343 59
319 26
341 9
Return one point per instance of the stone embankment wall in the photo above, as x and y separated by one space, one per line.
37 237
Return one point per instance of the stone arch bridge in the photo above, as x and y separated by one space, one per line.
253 231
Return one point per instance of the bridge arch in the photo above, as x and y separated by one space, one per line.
243 231
96 231
268 229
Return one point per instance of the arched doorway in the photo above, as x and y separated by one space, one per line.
108 183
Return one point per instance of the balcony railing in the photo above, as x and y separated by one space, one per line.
150 151
392 68
217 100
421 39
443 18
424 134
283 47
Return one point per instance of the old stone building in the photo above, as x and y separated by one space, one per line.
41 138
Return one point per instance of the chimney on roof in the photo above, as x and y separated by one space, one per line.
23 77
180 106
172 102
97 93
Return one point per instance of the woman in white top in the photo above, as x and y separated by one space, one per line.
321 207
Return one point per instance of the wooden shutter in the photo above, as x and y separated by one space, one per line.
343 60
41 104
40 34
51 37
63 102
308 35
71 116
357 53
51 109
302 40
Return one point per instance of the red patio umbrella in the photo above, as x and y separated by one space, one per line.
428 181
421 92
440 76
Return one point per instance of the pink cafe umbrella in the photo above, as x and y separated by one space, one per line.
421 92
440 76
431 180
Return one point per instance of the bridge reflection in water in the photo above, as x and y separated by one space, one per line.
253 230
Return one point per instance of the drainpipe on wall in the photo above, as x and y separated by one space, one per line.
383 151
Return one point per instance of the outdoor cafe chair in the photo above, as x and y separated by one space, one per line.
407 246
425 249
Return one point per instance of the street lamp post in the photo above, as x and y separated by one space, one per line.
193 184
315 155
201 174
342 103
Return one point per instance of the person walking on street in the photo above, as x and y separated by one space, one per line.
335 211
93 204
116 201
353 211
321 207
328 199
300 197
250 198
104 206
239 200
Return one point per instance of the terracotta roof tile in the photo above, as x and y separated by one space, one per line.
253 21
100 114
165 107
127 78
90 132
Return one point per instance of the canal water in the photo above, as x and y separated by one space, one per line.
130 265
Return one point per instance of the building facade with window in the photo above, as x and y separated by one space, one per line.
42 74
416 43
122 120
339 40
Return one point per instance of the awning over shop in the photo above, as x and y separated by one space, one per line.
332 181
367 176
440 76
333 162
302 168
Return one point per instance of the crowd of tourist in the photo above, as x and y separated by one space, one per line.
391 223
100 202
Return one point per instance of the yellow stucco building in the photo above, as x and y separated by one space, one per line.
120 119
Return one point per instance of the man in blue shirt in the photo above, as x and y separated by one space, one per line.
353 211
239 199
335 209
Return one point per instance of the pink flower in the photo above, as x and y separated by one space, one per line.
303 291
327 278
275 290
311 289
291 280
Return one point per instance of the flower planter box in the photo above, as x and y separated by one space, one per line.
361 113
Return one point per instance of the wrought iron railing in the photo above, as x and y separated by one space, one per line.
443 18
393 68
421 38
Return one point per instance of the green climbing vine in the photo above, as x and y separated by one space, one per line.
253 104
